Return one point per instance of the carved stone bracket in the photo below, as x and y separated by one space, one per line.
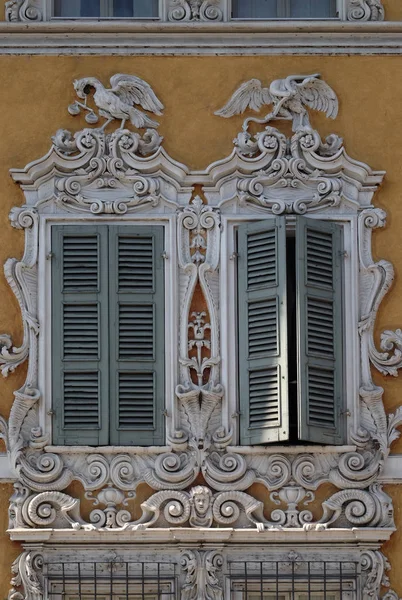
202 570
27 581
365 10
195 10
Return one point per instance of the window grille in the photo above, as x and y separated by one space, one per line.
111 580
293 580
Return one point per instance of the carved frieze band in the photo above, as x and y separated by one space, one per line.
192 10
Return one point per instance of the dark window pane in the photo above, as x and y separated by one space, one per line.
90 8
254 9
135 8
312 9
123 8
77 8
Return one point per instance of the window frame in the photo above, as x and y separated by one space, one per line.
45 341
105 6
229 328
226 6
283 6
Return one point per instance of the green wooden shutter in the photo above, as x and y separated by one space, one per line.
262 332
79 334
319 299
137 346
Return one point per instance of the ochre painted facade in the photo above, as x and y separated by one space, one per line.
34 97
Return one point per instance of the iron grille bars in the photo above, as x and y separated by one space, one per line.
293 580
111 580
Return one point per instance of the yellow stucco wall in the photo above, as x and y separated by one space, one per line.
34 96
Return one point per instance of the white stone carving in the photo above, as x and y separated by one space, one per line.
27 570
195 10
365 10
24 10
371 508
118 102
289 97
202 570
201 508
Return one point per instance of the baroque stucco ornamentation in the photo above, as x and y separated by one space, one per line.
289 97
24 10
118 102
202 568
98 175
365 10
27 581
195 10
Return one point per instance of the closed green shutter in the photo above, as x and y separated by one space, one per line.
80 335
262 332
319 297
137 346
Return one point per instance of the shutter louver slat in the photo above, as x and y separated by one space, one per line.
135 263
136 331
81 393
136 400
264 397
81 331
80 263
262 331
80 335
319 284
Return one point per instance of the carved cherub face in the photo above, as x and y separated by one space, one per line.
201 498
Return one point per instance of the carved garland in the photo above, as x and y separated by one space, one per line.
123 173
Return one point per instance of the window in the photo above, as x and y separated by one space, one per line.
108 334
293 580
290 331
112 580
106 8
284 9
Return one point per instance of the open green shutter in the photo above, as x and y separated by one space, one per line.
263 332
319 297
79 334
137 348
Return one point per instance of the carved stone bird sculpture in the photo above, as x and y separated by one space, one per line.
119 101
290 98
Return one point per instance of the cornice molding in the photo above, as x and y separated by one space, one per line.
197 38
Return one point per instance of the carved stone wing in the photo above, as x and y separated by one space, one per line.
318 95
134 90
250 94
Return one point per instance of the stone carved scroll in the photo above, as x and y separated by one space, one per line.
365 10
24 10
195 10
27 580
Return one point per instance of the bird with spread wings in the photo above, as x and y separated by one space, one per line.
119 101
290 98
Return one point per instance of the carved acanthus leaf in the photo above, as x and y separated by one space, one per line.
27 581
202 579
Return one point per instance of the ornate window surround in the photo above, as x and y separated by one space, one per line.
201 10
124 176
166 218
229 325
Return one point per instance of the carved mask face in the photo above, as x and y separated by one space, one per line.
201 503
